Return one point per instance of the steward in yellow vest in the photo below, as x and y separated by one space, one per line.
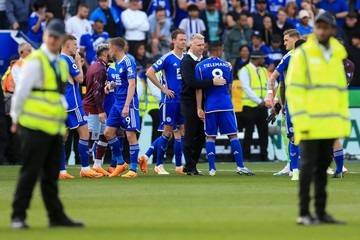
38 107
317 98
253 77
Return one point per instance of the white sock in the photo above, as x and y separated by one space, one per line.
63 171
295 170
178 168
85 169
97 163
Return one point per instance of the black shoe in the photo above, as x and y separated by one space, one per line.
306 220
18 224
338 175
195 173
327 219
65 222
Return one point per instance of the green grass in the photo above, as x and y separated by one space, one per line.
182 207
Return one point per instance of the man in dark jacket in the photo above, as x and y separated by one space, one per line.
213 21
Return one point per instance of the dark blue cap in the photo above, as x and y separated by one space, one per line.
258 54
327 17
56 27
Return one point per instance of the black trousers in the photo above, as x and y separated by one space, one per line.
155 116
12 144
2 138
315 159
41 156
72 142
253 116
194 138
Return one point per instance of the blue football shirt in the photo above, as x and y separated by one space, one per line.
72 93
124 71
284 63
109 99
169 64
91 42
217 98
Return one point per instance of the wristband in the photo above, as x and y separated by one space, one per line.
270 91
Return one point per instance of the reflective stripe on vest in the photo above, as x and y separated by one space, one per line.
44 110
258 85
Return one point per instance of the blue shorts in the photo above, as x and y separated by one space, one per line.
224 121
95 126
76 118
130 123
170 114
289 125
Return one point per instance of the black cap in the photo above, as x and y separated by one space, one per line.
256 34
276 38
326 17
14 58
260 1
210 1
257 54
56 27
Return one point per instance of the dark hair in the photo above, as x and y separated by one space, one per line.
242 14
176 32
282 9
292 33
99 20
38 4
84 5
193 7
244 46
352 14
299 42
69 37
215 45
118 42
355 34
137 46
159 9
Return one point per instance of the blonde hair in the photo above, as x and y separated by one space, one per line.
196 36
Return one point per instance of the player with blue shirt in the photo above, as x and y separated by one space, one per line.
90 42
125 112
75 110
219 110
170 112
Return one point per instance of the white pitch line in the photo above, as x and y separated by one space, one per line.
263 171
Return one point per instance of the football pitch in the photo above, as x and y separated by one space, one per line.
151 206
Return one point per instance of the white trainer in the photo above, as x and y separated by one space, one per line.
160 170
330 171
344 170
212 172
285 171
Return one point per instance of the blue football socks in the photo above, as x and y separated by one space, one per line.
210 151
339 160
162 147
84 152
134 154
237 152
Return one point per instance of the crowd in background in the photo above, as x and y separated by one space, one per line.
242 25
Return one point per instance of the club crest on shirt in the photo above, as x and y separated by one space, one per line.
168 119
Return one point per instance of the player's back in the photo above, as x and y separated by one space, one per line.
217 98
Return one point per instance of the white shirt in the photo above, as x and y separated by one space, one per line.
154 90
195 57
15 72
31 76
2 5
326 52
192 26
78 27
136 24
244 77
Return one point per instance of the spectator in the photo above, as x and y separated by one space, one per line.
108 16
276 53
242 60
304 28
257 44
259 14
275 5
292 13
24 49
213 20
17 12
281 25
339 7
37 22
354 56
254 79
136 25
233 15
74 4
54 9
3 22
351 24
90 41
239 35
150 7
79 25
140 60
267 30
160 34
192 24
181 9
312 10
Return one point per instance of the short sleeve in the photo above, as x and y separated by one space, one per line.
73 68
32 22
130 69
159 64
198 75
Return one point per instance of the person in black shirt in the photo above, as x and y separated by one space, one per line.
194 128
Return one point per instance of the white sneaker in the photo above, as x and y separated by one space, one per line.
291 174
330 171
212 172
244 171
160 170
344 170
284 171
